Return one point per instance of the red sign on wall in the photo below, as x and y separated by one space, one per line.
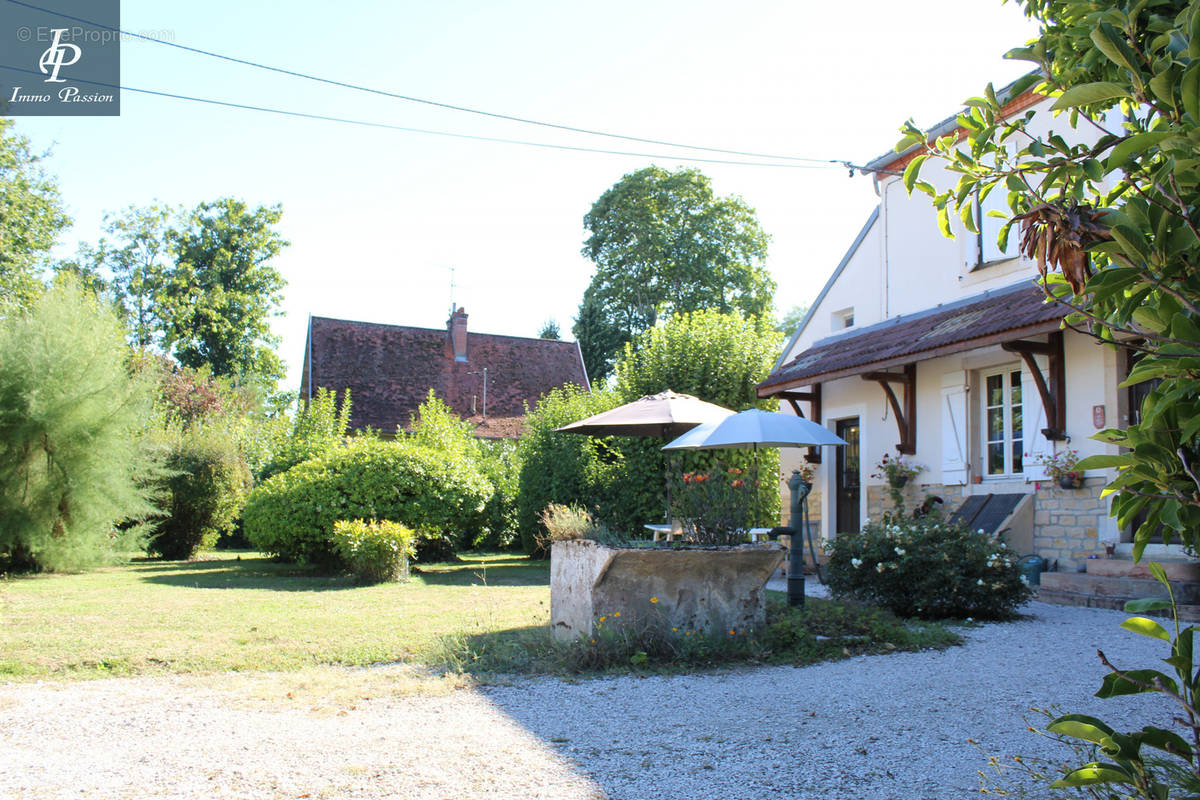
1098 416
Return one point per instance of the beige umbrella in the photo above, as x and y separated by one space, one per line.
665 415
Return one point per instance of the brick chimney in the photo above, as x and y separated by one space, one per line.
456 328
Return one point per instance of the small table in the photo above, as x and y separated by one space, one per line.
671 533
668 531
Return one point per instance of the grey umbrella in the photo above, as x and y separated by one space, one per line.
754 428
665 415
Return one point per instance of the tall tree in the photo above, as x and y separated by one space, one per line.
133 268
1113 221
663 243
31 217
224 290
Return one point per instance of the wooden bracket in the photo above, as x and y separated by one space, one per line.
906 418
813 396
1053 391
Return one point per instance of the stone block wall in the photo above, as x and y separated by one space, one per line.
879 499
1066 521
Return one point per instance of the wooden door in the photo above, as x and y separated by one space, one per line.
847 483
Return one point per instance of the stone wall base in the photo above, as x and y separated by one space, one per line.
704 590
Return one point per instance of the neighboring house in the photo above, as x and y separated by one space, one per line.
943 350
389 370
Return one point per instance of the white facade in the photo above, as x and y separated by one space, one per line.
902 265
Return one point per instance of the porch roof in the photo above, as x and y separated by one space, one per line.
990 318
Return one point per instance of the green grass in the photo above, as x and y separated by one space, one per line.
241 611
486 614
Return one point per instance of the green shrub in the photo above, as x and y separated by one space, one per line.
375 551
720 358
75 471
437 427
562 467
319 428
500 463
204 494
291 515
926 567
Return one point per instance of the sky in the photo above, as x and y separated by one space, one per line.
377 219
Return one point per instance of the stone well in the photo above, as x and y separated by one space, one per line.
706 590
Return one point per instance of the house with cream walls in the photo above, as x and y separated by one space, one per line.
944 350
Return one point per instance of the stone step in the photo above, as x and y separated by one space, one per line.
1091 591
1126 568
1186 592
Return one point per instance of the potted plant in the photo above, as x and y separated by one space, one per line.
1062 468
896 471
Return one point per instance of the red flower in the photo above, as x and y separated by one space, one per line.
738 483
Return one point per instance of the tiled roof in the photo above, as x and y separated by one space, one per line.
978 321
389 370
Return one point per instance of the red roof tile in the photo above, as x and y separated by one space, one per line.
977 321
389 370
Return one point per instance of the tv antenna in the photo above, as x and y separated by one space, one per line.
453 307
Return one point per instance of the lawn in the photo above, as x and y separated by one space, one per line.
242 611
484 614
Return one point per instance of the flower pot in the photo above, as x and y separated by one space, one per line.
710 589
1071 481
898 482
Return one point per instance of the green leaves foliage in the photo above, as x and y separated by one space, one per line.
31 218
662 243
562 468
76 473
292 514
1172 771
204 493
1122 146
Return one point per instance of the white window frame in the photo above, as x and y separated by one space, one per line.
1006 373
989 228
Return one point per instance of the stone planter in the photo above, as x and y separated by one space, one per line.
697 589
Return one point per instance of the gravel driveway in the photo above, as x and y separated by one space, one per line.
871 727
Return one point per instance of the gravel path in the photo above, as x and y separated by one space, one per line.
871 727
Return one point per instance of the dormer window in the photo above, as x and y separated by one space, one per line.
992 213
843 319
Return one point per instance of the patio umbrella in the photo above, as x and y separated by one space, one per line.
665 415
754 428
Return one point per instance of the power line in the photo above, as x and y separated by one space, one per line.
430 132
424 101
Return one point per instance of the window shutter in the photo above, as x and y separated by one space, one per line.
1037 446
954 429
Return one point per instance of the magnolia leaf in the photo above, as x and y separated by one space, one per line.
1081 726
1135 681
1089 93
1166 740
1158 572
1146 627
1108 41
913 171
1104 461
1147 604
1138 143
1092 774
1189 86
